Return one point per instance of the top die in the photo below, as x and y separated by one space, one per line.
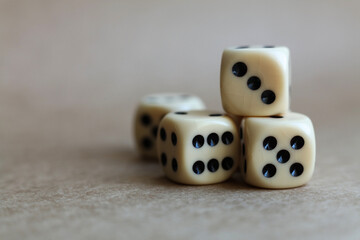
254 81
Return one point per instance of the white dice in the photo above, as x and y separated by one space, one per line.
279 151
254 81
198 147
152 109
274 148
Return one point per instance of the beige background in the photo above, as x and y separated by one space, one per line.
71 73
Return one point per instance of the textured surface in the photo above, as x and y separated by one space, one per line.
71 73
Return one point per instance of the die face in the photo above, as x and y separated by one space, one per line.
279 152
146 128
254 81
242 159
170 149
151 110
212 150
207 150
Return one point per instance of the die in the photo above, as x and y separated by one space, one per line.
198 147
149 113
254 81
278 151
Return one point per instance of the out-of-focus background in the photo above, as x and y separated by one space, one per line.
72 72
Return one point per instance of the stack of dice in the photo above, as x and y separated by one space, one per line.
272 146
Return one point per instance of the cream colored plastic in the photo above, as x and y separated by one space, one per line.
156 106
256 129
270 65
186 127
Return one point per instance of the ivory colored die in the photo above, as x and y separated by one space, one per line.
152 109
279 152
198 147
254 81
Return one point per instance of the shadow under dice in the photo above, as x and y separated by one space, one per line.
278 152
198 147
254 81
152 109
